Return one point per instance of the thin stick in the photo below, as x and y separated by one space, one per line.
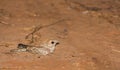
37 28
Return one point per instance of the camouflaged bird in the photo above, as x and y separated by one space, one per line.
43 49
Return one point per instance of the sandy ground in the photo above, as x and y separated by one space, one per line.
88 31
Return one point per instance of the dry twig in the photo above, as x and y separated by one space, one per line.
81 5
37 28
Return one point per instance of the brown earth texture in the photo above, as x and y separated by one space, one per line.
88 32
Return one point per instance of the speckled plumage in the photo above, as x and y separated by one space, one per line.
43 49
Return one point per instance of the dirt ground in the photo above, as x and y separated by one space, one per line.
88 31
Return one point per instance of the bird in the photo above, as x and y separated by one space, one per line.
43 49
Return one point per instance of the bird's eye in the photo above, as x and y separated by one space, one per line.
52 42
